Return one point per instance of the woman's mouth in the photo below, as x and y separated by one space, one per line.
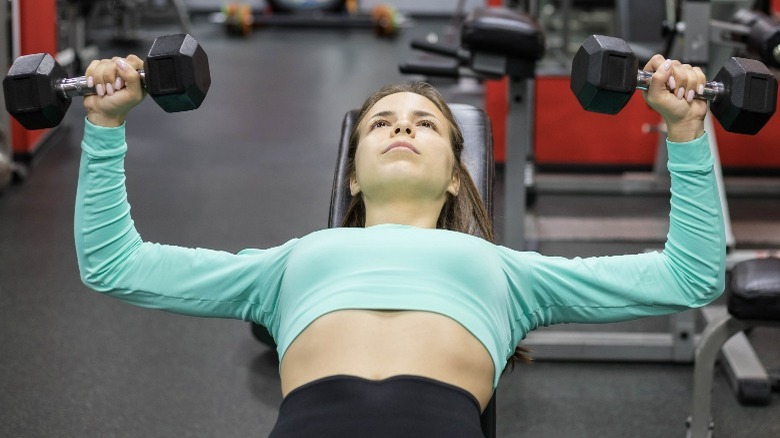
401 145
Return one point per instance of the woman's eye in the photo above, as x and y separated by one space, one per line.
379 124
427 124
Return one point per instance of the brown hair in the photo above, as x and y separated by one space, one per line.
465 212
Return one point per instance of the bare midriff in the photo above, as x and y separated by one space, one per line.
377 344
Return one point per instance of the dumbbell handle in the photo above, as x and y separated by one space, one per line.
712 89
72 87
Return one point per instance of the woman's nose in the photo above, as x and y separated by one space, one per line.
403 126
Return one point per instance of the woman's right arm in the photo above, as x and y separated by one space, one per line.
115 260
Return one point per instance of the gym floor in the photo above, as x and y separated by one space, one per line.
253 168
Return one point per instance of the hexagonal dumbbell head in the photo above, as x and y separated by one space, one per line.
604 74
29 91
177 73
750 96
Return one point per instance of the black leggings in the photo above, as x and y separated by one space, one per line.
400 406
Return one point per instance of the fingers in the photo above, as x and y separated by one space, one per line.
662 78
128 71
672 91
102 76
701 80
688 81
682 80
654 64
108 76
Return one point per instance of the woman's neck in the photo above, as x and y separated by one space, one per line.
417 214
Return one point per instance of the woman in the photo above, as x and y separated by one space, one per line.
401 322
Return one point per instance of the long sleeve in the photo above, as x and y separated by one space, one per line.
689 272
113 258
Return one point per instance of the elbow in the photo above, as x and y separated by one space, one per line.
714 288
92 278
699 280
102 267
716 274
709 282
89 272
700 292
101 275
699 270
716 268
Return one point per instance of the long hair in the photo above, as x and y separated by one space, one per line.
465 212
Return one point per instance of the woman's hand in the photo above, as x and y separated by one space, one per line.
119 89
671 93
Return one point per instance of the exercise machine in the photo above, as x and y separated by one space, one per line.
496 43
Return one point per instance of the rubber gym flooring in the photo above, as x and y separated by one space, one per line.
253 168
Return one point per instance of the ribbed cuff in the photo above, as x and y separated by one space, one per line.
690 155
100 141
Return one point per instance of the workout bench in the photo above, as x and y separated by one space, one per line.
753 300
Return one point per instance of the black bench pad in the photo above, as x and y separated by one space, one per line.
755 289
503 31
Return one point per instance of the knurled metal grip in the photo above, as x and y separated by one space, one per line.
74 87
712 89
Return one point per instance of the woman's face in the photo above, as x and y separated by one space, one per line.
404 150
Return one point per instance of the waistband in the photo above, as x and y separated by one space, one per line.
408 406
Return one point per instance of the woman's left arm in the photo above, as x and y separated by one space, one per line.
690 270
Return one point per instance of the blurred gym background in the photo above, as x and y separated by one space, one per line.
253 167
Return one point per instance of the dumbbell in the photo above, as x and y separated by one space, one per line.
38 91
604 76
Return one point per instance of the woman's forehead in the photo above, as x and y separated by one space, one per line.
405 102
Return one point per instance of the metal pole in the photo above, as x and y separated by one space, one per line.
519 138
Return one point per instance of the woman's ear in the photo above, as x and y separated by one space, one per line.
354 186
454 187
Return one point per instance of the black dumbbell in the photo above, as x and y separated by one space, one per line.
38 91
604 76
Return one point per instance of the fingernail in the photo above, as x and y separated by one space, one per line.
701 89
99 89
672 83
120 62
109 89
90 82
680 93
667 64
118 84
690 95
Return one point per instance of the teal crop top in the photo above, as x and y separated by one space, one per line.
496 293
